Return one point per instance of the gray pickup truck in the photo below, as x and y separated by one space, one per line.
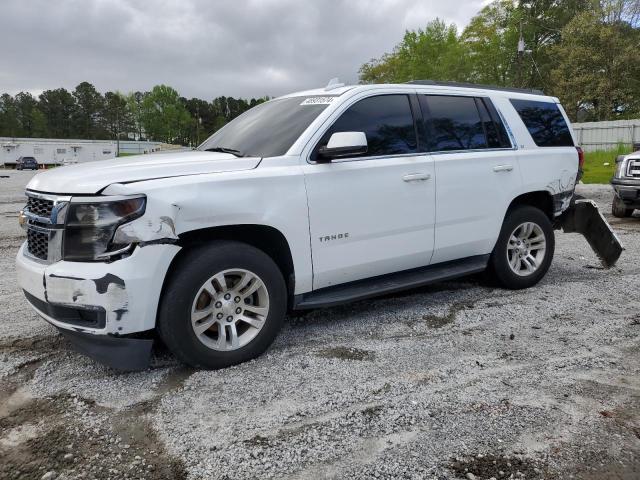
626 185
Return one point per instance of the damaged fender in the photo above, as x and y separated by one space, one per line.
584 217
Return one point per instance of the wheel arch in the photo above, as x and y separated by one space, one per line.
541 199
263 237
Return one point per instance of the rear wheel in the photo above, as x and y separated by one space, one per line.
524 250
619 209
223 305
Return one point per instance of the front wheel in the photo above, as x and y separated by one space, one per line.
524 250
223 305
619 209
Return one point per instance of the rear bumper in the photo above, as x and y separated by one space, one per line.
584 217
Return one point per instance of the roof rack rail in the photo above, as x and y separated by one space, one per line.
476 85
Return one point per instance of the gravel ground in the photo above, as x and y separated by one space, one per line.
457 380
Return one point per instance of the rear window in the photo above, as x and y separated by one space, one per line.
545 123
463 123
455 123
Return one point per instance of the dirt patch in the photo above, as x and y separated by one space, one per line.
76 438
41 344
498 466
345 353
437 321
372 411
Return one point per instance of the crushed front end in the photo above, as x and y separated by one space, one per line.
99 291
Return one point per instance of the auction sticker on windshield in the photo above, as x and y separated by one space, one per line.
318 101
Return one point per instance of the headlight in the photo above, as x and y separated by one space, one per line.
91 224
621 168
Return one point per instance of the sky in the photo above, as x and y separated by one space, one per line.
204 48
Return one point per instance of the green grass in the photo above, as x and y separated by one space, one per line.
127 154
595 170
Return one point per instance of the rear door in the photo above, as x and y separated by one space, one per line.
374 213
477 173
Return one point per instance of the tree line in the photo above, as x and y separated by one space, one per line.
586 52
160 114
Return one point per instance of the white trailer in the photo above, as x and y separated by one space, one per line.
50 151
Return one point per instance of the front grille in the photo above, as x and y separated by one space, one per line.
38 243
634 168
39 206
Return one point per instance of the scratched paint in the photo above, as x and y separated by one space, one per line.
108 291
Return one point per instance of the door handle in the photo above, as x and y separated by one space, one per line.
416 177
503 168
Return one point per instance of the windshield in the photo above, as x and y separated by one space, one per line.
269 129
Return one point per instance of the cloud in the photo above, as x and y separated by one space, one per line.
204 48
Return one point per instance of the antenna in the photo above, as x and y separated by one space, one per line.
521 44
333 84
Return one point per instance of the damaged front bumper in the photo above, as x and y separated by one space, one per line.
584 217
100 305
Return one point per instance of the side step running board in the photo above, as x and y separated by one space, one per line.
584 217
393 282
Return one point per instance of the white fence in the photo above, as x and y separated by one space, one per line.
607 135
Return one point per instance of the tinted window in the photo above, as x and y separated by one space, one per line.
491 126
545 123
455 123
387 122
503 136
269 129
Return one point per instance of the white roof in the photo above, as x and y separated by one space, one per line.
442 89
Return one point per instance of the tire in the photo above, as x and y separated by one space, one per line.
191 292
619 209
524 223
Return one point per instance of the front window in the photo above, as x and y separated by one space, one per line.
269 129
387 122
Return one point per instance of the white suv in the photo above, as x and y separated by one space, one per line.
309 200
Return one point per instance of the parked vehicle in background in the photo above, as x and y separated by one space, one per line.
26 163
626 185
313 199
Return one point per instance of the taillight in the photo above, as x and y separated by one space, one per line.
580 158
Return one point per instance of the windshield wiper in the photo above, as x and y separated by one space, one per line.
232 151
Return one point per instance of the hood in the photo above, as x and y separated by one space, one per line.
91 177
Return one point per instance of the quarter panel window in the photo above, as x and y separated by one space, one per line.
455 123
545 123
493 137
386 120
505 142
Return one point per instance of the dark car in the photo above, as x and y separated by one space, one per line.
26 163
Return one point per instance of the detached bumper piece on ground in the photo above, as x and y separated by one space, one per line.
584 217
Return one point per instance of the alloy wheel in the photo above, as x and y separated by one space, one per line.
526 248
230 309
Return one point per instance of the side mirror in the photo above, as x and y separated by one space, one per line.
344 144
